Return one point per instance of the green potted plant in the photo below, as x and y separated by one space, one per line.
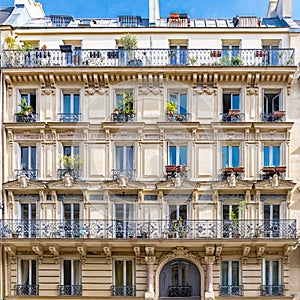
25 108
129 43
128 103
171 108
71 162
236 60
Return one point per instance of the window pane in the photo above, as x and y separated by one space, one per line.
75 150
267 272
129 280
67 272
76 104
275 272
183 104
276 212
67 103
235 101
24 158
183 155
276 156
119 157
33 272
267 214
174 98
172 155
235 156
224 270
172 212
119 211
129 156
175 273
225 156
226 103
67 211
32 158
235 273
226 212
119 273
266 156
25 272
185 274
67 150
183 212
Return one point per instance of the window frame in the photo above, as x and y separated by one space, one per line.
230 156
178 95
72 102
270 160
181 158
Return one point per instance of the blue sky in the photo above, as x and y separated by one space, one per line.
194 8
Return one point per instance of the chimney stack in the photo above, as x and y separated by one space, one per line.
154 14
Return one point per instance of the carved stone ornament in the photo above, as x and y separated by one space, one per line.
205 90
68 180
122 180
177 180
231 180
23 180
275 181
107 252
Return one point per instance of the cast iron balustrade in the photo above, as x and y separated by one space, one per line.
125 291
272 290
276 116
122 117
180 291
68 117
69 290
27 290
149 229
147 57
30 173
231 290
173 170
232 116
237 171
178 117
31 118
268 172
75 173
128 173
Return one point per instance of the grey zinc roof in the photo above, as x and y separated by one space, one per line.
5 13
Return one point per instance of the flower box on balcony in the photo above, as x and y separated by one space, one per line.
279 113
234 113
227 170
280 169
239 169
261 53
170 168
268 169
215 53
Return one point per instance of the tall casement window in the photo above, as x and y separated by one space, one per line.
271 285
124 161
70 278
70 161
27 106
124 215
27 162
29 216
177 155
271 56
272 155
272 106
177 221
181 100
231 214
123 276
230 273
231 106
231 156
70 108
178 53
272 216
124 110
27 278
230 51
71 217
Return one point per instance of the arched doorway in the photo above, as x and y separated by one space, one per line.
179 278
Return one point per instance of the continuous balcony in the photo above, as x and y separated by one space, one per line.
148 229
146 57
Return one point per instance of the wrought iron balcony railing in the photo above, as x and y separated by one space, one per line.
231 290
180 291
30 173
149 229
75 173
276 116
69 290
68 117
147 57
128 173
122 117
178 117
272 290
27 290
232 116
125 291
31 118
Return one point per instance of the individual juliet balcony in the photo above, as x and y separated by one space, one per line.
146 57
237 171
73 172
30 173
68 117
231 290
128 173
26 290
268 172
30 118
272 290
125 291
121 116
276 116
178 117
180 291
233 115
173 170
148 229
70 290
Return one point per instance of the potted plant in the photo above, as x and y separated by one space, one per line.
236 60
129 43
171 108
127 98
71 162
25 108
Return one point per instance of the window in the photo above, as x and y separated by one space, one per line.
27 162
272 54
272 220
71 217
124 106
230 279
230 50
70 161
124 163
30 99
231 215
273 106
272 156
123 278
177 155
71 278
271 278
231 107
178 55
27 282
178 220
70 108
125 225
230 156
28 218
180 98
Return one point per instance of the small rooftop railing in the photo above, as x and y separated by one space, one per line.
148 229
146 57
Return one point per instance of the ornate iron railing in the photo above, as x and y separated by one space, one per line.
27 290
149 229
122 117
75 173
68 117
128 173
125 291
273 117
147 57
180 291
227 117
69 290
231 290
30 173
272 290
177 117
31 118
